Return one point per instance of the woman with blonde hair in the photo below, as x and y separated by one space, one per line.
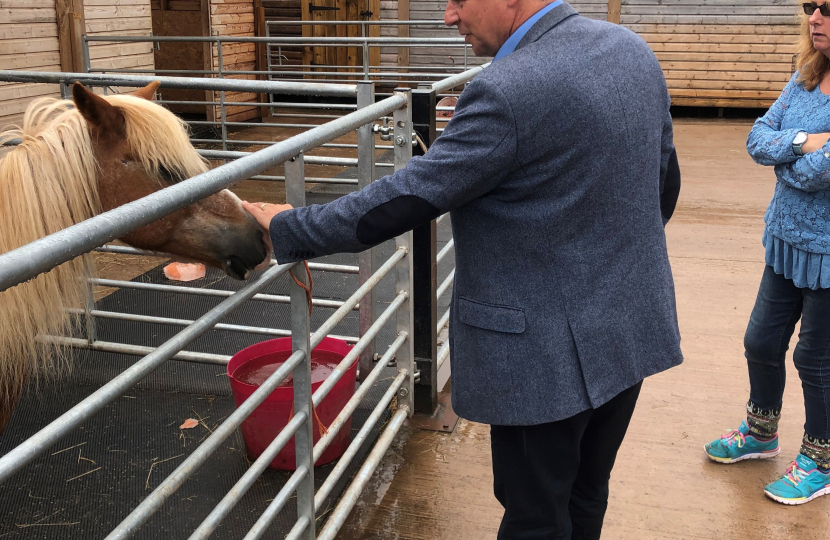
793 137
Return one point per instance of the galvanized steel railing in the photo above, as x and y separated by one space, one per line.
40 256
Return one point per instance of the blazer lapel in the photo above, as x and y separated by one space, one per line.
543 25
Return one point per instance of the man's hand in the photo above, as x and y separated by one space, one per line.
265 212
815 141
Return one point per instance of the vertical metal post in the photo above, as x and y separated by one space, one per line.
405 274
91 334
65 92
222 110
365 176
301 340
425 277
87 64
365 60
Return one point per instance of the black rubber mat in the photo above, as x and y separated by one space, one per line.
93 478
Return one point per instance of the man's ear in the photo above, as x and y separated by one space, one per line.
96 110
149 91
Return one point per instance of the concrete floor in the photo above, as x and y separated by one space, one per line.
439 486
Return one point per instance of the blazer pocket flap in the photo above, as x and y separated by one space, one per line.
491 316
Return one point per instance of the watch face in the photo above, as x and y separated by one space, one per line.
800 137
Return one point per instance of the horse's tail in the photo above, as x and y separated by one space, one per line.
47 183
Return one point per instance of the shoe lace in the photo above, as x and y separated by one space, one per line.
794 474
734 437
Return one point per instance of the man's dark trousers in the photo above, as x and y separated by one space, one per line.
552 479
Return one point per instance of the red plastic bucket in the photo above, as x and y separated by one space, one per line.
267 420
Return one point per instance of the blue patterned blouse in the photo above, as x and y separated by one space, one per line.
797 233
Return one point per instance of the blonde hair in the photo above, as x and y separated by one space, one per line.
812 65
50 182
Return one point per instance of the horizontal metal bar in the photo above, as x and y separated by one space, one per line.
352 301
443 354
114 315
323 267
351 405
276 298
456 80
446 284
381 41
309 160
38 443
265 519
153 502
298 528
350 497
190 83
309 179
445 319
26 262
446 249
212 521
441 218
136 350
344 365
358 440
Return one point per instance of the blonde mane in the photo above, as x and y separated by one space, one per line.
50 182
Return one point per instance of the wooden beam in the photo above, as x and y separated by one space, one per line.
261 50
614 11
403 31
64 9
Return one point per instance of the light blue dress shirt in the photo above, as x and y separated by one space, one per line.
510 45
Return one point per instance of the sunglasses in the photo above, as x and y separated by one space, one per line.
811 7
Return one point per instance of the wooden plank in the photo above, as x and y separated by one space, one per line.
752 29
726 66
781 77
220 9
614 11
722 102
114 26
703 11
18 61
28 90
707 19
27 16
118 2
116 12
724 57
701 3
718 38
140 61
726 85
28 46
763 49
403 31
38 30
109 50
27 4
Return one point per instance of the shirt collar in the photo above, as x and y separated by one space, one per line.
510 45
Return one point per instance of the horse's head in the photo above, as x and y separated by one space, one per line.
141 147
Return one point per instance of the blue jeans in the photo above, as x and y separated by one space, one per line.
777 309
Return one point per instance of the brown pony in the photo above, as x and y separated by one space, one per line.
75 162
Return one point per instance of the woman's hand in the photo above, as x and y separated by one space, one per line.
815 141
265 212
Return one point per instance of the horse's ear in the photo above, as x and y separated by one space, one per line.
148 91
97 110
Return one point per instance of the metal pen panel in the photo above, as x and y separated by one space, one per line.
74 417
367 259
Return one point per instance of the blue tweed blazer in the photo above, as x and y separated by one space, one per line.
552 168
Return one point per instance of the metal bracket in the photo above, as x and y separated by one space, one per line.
385 130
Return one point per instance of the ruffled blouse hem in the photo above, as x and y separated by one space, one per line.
806 269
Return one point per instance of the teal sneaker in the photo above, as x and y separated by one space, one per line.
802 483
737 446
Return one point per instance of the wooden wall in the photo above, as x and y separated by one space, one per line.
235 18
719 53
28 41
119 18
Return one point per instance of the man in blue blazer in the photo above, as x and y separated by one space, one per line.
559 171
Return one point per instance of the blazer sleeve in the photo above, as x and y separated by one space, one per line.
669 167
473 156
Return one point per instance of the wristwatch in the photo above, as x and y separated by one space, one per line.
798 142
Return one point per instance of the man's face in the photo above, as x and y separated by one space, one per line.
485 24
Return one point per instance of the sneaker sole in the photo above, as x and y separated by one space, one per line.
761 455
795 502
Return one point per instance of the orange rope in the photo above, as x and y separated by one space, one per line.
323 430
303 286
